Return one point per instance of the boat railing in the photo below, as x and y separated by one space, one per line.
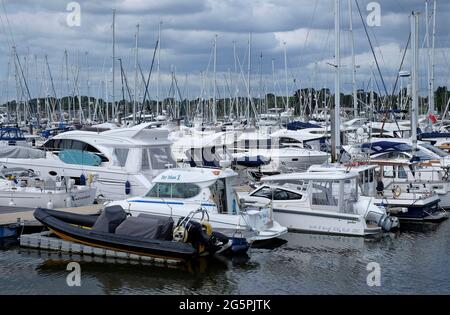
397 190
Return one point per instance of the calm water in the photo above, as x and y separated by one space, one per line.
416 260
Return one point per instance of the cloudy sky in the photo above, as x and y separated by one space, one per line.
39 28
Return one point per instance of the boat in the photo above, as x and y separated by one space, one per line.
145 235
407 200
21 187
130 158
177 192
326 202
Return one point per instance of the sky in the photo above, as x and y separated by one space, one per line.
305 29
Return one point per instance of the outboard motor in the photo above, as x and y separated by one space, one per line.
386 222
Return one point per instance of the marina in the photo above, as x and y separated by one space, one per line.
146 177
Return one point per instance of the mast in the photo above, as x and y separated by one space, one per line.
248 74
67 81
113 66
236 100
337 78
433 54
274 85
414 77
427 35
88 88
136 56
158 66
214 109
352 47
286 76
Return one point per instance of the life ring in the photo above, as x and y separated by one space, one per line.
397 191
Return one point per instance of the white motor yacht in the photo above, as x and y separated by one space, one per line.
124 160
178 192
328 202
20 187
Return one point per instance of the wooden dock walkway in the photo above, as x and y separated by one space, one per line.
25 216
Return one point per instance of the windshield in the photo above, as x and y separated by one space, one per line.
433 149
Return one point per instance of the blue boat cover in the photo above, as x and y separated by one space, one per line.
80 157
435 134
11 133
385 146
297 125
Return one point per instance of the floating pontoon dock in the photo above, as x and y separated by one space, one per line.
45 240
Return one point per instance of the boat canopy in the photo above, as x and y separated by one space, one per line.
20 152
320 176
11 134
386 146
297 125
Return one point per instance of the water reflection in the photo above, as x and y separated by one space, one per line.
415 259
119 275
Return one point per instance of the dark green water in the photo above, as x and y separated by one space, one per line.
416 260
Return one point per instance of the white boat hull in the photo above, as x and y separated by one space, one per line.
33 198
329 223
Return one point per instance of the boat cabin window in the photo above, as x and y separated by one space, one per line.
160 157
391 155
174 190
401 172
325 194
281 194
121 155
389 171
157 158
264 192
69 144
145 162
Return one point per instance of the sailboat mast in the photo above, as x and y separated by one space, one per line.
214 109
352 47
433 54
337 80
274 85
135 74
248 74
158 66
113 66
286 75
427 35
414 77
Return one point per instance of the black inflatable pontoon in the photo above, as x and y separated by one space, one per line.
145 235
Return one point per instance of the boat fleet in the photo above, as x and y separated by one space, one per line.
179 187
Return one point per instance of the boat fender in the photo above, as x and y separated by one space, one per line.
127 187
180 234
69 201
82 180
49 204
397 191
90 178
207 228
239 245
